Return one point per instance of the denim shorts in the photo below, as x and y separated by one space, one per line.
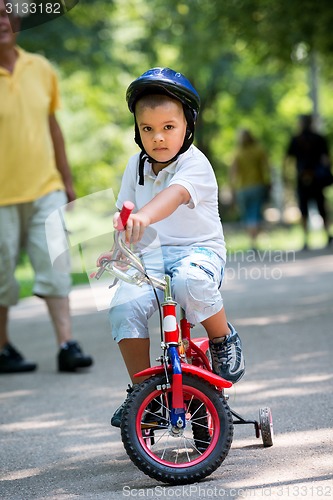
196 277
23 226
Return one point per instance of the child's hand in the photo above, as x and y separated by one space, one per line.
121 264
104 255
135 226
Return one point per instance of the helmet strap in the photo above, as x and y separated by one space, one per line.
143 157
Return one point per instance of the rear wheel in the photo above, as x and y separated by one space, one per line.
179 457
266 426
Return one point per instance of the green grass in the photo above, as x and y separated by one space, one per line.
273 238
24 275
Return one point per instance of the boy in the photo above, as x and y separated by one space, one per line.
174 189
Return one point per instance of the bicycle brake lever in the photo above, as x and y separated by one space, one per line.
101 270
115 281
120 249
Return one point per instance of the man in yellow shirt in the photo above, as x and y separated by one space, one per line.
35 180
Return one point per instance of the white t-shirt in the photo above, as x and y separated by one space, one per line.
196 223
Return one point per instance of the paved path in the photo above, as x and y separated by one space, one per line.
55 439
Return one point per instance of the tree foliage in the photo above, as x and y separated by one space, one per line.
249 60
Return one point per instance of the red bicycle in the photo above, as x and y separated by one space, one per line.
177 426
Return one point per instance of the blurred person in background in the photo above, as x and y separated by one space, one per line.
35 180
310 152
250 182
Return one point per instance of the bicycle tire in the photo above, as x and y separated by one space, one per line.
266 426
148 439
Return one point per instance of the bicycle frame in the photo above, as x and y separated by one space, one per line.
184 355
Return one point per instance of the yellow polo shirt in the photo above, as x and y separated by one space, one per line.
252 166
27 162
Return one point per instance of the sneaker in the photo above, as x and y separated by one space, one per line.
117 416
11 361
154 416
227 357
71 357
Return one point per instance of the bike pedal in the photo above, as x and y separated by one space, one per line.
149 425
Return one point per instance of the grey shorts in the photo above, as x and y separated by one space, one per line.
23 226
196 276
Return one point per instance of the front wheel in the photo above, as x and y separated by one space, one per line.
176 457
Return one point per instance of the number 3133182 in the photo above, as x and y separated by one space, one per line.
27 8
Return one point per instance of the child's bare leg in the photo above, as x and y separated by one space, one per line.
135 353
216 326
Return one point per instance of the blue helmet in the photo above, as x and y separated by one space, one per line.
168 82
164 81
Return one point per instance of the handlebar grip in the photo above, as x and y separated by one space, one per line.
125 212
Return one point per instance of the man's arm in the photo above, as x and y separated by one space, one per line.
61 157
289 161
325 153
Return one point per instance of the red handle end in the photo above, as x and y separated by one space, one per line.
125 212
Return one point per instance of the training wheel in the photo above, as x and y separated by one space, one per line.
266 426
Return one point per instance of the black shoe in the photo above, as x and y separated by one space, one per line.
71 357
154 416
11 361
117 416
227 357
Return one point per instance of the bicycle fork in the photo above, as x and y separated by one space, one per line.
171 333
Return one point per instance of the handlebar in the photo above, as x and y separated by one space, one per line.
125 212
120 249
